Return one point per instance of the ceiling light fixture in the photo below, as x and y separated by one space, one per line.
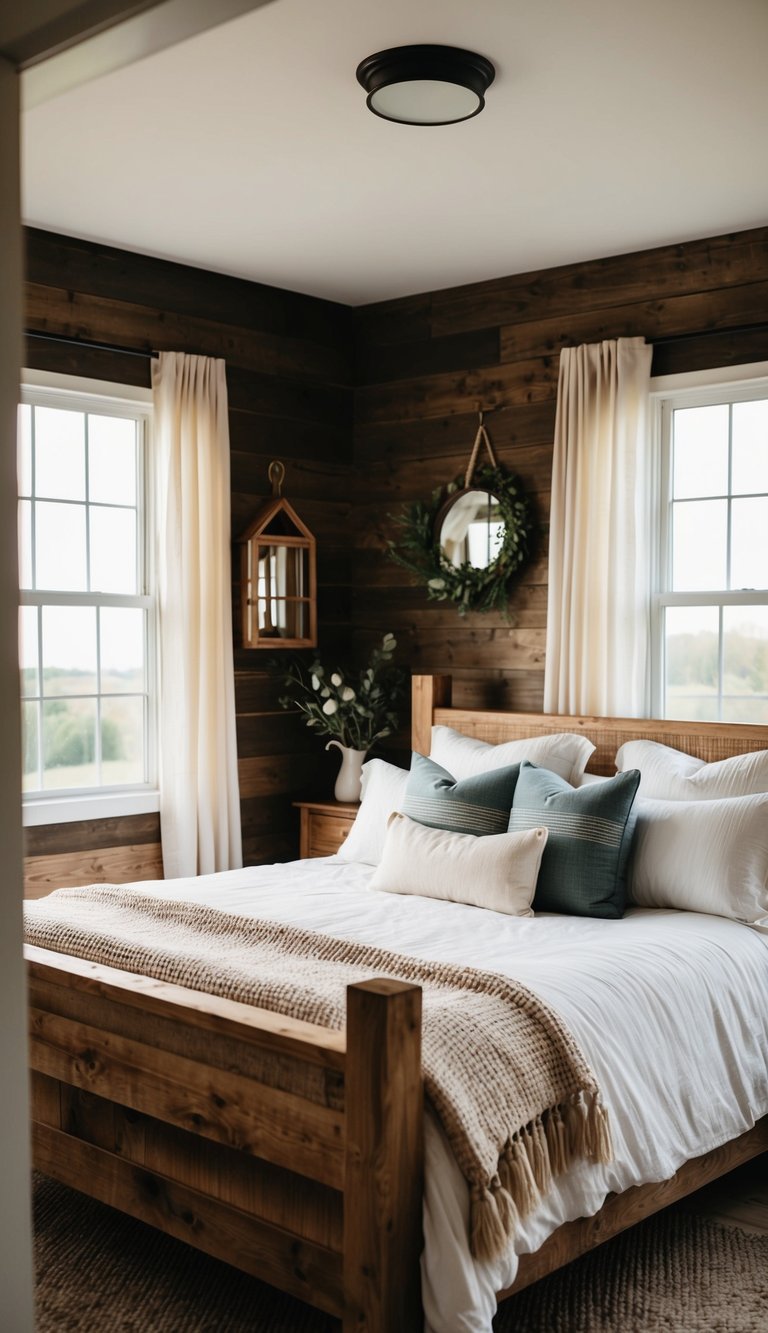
426 85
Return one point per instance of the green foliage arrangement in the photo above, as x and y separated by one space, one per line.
69 738
470 588
355 709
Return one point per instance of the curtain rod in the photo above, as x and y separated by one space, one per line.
147 356
733 332
92 346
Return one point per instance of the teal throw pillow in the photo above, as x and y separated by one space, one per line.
584 865
478 805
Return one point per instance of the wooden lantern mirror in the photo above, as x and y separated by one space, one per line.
278 575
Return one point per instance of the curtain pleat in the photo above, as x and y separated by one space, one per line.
601 534
199 792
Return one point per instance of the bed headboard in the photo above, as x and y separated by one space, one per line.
431 703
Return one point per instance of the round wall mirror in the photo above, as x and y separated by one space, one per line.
468 541
470 529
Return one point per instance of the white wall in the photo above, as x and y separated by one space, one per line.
15 1234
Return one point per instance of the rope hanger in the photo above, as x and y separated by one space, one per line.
482 437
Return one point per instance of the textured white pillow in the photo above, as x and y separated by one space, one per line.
383 790
703 856
672 775
497 871
564 753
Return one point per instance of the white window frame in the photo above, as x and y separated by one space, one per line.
100 396
669 392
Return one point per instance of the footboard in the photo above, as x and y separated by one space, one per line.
291 1151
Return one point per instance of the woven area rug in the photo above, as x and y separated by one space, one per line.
98 1270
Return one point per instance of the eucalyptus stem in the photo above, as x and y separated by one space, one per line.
356 709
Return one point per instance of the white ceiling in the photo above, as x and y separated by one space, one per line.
612 126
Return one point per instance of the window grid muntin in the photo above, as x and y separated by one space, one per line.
40 697
87 405
88 573
728 529
720 598
720 659
87 504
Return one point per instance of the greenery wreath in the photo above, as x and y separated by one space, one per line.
469 587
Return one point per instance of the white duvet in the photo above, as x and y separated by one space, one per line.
670 1008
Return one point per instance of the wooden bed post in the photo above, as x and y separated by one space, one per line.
384 1169
427 694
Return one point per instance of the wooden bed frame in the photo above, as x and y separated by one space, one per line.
171 1105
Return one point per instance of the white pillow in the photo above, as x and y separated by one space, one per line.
703 857
497 871
672 775
564 753
382 791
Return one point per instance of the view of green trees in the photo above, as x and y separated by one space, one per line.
67 714
692 661
69 738
693 671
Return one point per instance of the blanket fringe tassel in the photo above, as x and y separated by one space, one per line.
574 1130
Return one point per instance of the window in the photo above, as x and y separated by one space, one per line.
87 639
711 619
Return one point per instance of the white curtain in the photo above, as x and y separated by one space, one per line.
601 534
199 794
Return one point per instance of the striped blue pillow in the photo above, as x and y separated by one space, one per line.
584 865
477 805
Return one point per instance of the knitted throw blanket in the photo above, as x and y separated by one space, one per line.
514 1095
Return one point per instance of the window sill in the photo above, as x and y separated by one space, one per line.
91 805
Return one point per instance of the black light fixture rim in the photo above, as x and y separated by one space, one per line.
426 124
403 64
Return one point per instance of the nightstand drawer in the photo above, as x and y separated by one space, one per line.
324 826
327 833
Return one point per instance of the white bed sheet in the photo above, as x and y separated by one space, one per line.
670 1008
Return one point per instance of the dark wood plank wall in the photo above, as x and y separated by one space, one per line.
422 365
289 383
425 363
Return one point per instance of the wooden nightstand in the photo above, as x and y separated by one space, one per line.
324 826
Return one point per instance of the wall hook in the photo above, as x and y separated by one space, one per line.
276 474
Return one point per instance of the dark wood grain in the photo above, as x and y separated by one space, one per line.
62 358
402 319
47 839
434 437
289 380
371 409
148 329
121 275
444 393
672 270
413 434
724 308
403 360
707 352
295 442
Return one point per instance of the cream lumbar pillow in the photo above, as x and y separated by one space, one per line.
672 775
497 871
564 753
